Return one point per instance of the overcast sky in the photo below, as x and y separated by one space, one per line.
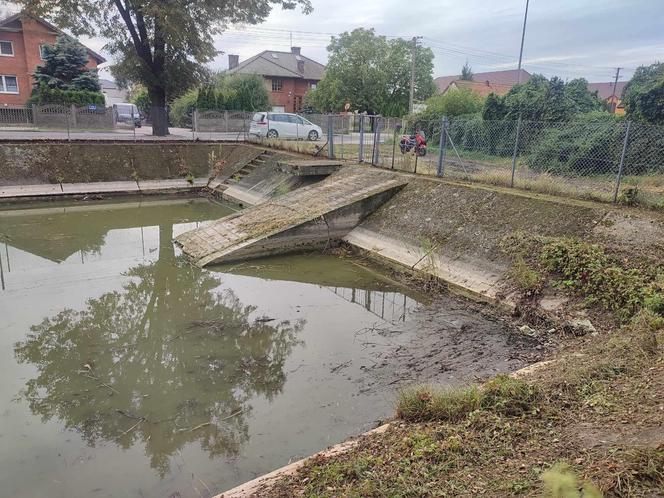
568 38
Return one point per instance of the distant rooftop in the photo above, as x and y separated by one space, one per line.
282 64
605 90
508 77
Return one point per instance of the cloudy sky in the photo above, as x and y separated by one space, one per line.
568 38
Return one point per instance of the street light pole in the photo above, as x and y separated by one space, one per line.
523 37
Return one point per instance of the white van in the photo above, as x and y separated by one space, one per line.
283 125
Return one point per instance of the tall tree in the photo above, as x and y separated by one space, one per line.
541 99
467 72
161 44
64 67
372 74
644 94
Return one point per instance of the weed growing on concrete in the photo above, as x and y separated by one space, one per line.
189 178
60 178
587 270
528 280
602 279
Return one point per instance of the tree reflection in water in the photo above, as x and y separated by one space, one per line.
166 361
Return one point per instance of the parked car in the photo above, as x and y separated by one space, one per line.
126 113
283 125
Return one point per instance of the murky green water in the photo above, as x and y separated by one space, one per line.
124 371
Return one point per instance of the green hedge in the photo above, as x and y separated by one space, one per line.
45 95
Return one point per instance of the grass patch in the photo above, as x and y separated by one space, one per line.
503 395
425 403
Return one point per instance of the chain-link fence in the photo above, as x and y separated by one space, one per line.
610 160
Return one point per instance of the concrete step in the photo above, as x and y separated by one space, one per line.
310 217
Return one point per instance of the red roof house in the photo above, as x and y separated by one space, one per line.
21 39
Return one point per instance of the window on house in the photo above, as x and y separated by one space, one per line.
312 85
277 85
8 84
41 51
6 48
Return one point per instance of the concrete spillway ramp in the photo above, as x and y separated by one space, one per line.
310 217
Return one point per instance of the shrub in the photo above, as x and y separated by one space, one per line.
182 109
455 102
604 279
590 146
142 101
44 95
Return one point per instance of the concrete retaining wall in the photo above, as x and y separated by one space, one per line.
454 231
40 163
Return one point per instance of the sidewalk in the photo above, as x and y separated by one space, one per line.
13 192
142 134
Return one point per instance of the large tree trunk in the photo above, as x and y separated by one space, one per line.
158 112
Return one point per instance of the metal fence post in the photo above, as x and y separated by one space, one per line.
441 146
516 149
133 122
193 124
360 157
622 162
394 144
376 142
67 115
330 136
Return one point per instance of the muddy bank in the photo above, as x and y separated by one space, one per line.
450 341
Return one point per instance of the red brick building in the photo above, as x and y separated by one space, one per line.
21 39
288 75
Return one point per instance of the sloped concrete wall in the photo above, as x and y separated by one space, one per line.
40 163
454 231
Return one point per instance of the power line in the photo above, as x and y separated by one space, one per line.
484 58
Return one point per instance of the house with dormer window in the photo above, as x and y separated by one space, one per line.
288 76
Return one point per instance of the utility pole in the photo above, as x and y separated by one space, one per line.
412 73
518 81
613 95
523 37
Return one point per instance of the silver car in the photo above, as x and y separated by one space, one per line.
283 125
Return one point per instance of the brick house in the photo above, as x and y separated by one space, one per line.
21 39
288 75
